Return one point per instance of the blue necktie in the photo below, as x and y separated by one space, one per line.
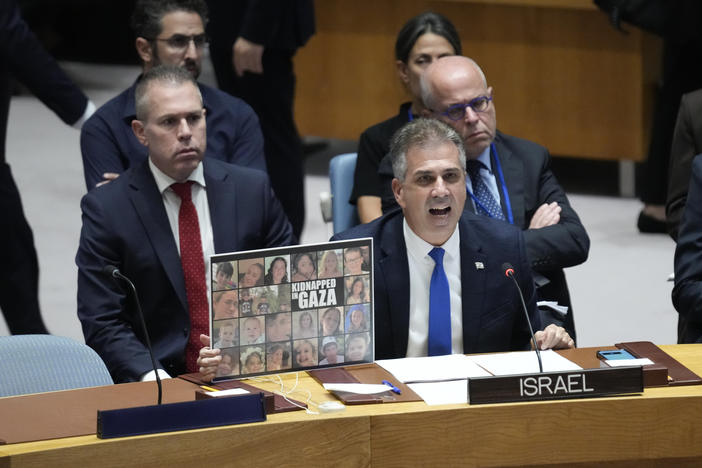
439 307
486 205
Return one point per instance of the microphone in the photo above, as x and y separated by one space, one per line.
113 272
509 272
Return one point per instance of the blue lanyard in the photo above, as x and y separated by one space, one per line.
410 116
501 176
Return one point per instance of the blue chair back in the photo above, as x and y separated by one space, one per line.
341 169
46 363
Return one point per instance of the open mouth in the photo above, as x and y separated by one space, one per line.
439 211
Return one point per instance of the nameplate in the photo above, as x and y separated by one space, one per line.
180 416
586 383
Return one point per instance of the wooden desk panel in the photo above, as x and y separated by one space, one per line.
662 424
562 76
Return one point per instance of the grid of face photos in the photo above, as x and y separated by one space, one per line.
291 308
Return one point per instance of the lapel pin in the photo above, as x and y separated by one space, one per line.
479 265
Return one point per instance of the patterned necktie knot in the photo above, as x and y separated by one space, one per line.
183 190
485 203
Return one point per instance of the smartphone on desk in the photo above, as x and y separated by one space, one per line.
610 354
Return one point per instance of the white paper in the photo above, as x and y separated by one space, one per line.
432 369
229 392
361 389
523 362
628 362
442 393
553 305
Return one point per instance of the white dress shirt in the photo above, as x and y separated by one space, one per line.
171 202
421 267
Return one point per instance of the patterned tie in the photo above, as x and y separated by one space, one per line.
193 262
486 204
439 307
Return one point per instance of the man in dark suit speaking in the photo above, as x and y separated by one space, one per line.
439 284
158 223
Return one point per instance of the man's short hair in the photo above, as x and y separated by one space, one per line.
422 133
167 74
147 15
427 92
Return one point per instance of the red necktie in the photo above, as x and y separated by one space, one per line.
193 262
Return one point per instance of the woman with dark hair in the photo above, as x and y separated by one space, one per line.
304 268
277 271
357 292
421 40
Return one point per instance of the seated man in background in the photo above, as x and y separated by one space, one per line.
440 287
158 224
687 293
169 32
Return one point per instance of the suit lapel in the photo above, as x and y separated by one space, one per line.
148 204
222 201
514 179
393 266
473 277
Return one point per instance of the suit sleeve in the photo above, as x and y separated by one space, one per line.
682 152
562 245
99 150
687 293
247 148
27 59
107 328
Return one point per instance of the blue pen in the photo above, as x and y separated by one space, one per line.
392 387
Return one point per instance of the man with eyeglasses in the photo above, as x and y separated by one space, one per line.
169 32
510 179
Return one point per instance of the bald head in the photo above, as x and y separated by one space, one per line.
447 71
458 83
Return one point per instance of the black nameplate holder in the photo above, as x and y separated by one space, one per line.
223 411
585 383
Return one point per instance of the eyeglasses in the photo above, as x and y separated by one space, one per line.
181 41
458 111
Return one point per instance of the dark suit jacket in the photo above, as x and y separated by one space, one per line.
687 143
531 183
125 224
687 293
493 319
276 24
22 55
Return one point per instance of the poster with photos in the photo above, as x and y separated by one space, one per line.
292 308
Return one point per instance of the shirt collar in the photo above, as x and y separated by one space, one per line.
419 248
164 181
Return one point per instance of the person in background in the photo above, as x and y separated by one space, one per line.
253 43
169 32
22 57
421 40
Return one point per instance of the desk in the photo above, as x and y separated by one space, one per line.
562 76
662 424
